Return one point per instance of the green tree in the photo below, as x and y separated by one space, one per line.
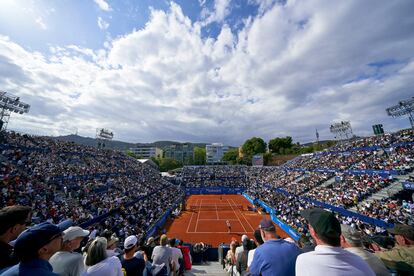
167 164
253 146
267 157
131 154
199 156
280 145
231 156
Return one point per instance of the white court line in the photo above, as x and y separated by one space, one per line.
198 215
241 213
237 216
220 219
232 232
216 212
188 227
237 233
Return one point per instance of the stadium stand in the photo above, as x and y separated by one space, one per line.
114 196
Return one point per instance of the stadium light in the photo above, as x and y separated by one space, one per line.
403 108
342 130
103 135
10 104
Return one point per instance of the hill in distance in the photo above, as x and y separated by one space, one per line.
118 145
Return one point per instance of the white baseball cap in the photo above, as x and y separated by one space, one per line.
74 232
130 242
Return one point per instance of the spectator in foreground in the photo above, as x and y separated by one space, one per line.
176 256
242 257
328 258
401 257
149 248
231 258
275 256
13 220
163 254
186 255
240 248
66 262
133 266
98 262
351 241
259 241
33 248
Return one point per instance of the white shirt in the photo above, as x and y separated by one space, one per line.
176 254
239 250
332 261
67 263
250 256
111 266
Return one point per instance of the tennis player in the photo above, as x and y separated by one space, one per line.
228 225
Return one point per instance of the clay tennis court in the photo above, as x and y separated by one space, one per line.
205 219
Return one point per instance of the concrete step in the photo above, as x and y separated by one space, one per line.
328 182
389 191
209 269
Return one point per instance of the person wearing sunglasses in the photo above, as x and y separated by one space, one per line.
13 221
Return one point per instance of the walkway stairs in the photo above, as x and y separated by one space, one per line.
389 191
328 182
209 269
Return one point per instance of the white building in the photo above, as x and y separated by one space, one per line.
214 152
146 152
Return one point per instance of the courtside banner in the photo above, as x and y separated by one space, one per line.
265 206
289 230
248 198
213 190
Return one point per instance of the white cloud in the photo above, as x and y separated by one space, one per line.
103 25
294 68
220 12
39 21
103 5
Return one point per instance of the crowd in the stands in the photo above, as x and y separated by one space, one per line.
349 189
58 180
62 180
210 176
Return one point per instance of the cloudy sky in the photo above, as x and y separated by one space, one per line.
204 70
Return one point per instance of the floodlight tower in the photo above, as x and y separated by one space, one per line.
342 130
103 135
8 105
405 107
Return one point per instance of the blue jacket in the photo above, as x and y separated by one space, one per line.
35 267
275 257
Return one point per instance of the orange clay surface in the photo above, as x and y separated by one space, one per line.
209 226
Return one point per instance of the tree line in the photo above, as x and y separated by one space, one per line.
278 146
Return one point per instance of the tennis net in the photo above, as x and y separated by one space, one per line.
214 207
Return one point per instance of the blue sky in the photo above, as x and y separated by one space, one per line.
211 71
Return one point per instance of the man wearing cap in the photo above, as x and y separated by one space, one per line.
351 240
13 221
66 262
274 256
132 265
328 258
401 257
33 248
